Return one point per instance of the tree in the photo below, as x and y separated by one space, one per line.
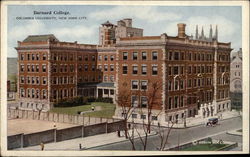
124 101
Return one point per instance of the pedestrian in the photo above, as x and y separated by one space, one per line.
129 125
80 146
118 133
54 124
42 146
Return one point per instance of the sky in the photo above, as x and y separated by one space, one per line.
155 20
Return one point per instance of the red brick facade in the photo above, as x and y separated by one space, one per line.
193 74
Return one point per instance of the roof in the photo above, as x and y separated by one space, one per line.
30 38
107 23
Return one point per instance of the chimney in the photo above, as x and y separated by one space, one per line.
181 30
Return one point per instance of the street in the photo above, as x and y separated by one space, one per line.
180 136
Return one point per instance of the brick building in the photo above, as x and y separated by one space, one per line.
193 71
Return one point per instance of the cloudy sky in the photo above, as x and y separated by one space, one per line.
155 20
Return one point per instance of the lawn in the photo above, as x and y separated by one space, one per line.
204 147
106 110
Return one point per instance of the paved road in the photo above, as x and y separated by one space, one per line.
184 136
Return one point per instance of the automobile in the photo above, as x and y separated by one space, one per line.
212 121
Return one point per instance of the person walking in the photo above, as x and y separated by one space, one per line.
42 146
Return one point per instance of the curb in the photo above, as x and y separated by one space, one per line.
203 124
116 142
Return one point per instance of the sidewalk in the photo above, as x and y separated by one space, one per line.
86 142
196 121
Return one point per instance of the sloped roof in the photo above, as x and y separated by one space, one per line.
108 23
40 38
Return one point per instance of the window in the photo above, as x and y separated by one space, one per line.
154 55
86 58
181 84
176 56
93 67
176 101
169 85
134 84
105 57
144 85
28 56
144 70
44 94
100 67
28 68
189 83
86 67
124 69
44 68
154 70
105 67
65 68
134 115
182 101
33 56
105 78
37 80
169 103
144 101
135 69
79 58
44 80
154 118
33 80
65 80
176 85
28 80
170 56
106 91
112 67
22 57
22 79
33 93
112 79
135 55
143 116
125 55
71 68
33 68
37 93
112 91
144 55
134 101
189 69
112 57
44 56
37 68
176 70
22 92
93 58
80 67
99 57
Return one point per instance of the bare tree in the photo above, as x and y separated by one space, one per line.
164 136
124 101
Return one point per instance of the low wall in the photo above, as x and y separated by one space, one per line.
112 127
69 133
53 135
14 141
38 137
95 129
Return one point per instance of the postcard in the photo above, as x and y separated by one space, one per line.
102 78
